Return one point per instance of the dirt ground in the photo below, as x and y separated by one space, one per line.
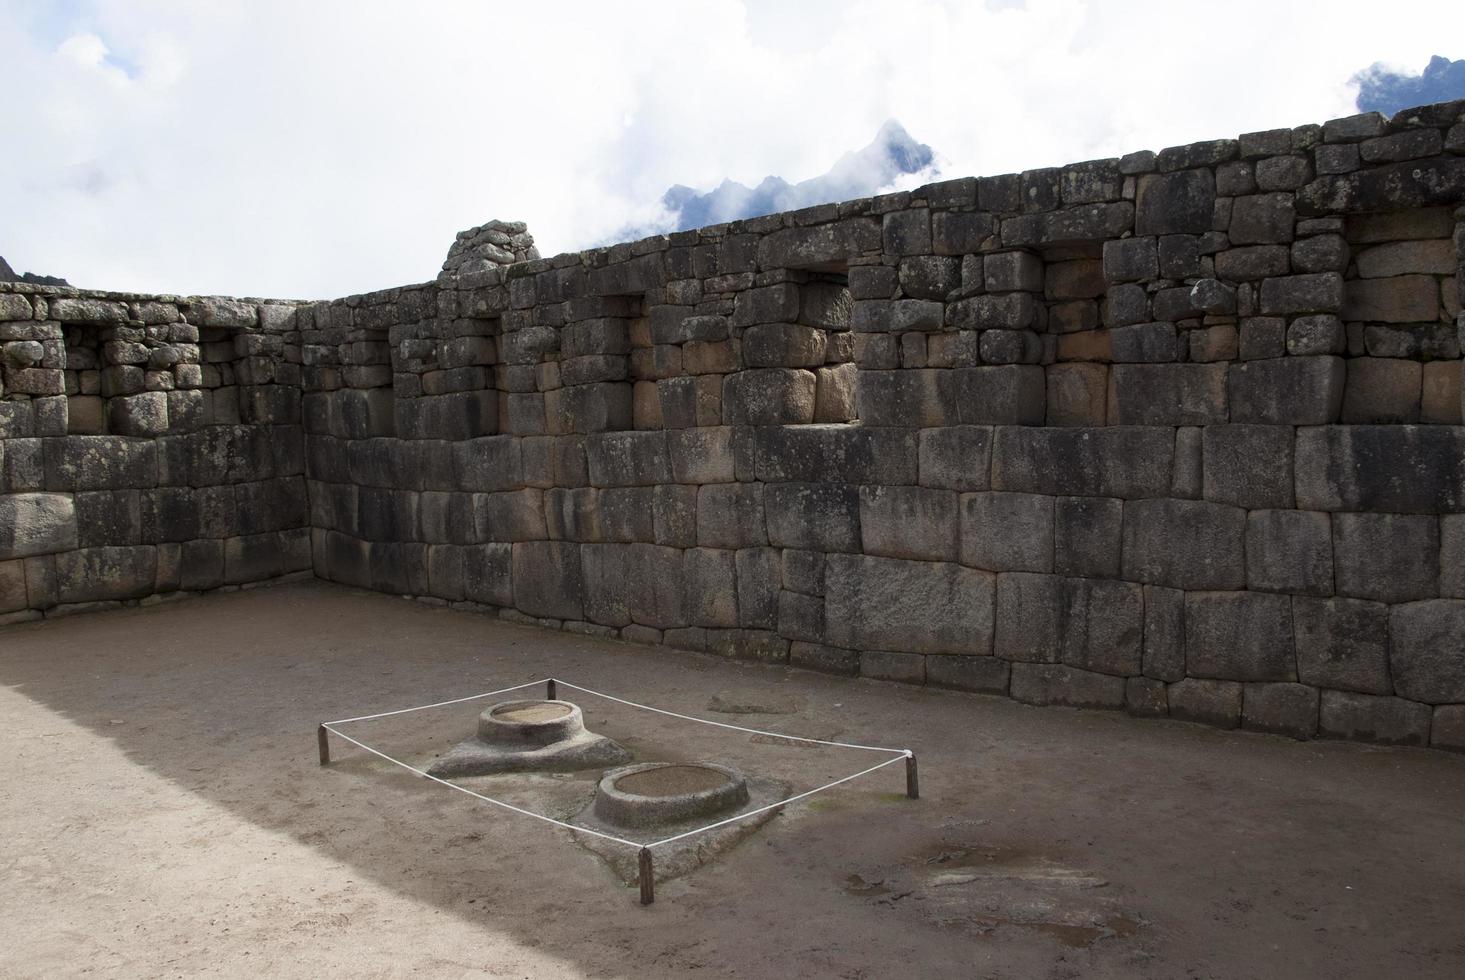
164 815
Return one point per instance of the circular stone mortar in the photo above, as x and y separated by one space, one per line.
531 722
656 793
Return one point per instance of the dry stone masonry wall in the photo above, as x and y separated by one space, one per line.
149 445
1178 433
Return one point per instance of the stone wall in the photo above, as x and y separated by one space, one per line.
1178 433
149 445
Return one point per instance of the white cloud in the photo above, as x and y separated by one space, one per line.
273 147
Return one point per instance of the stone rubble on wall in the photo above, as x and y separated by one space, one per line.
489 246
1178 433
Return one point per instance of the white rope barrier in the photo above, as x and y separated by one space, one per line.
899 755
736 728
480 796
439 704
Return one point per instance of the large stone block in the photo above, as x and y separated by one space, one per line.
1113 461
909 522
1386 557
769 396
1167 394
1078 394
488 464
547 580
1427 650
1289 551
711 587
512 515
620 459
626 514
1448 728
102 574
108 462
1282 709
1398 299
256 557
1452 557
1241 636
1396 187
956 457
488 575
1287 390
984 674
12 581
1207 702
835 454
730 515
915 398
1009 394
1248 466
1086 536
1382 389
36 524
1403 469
1184 544
1342 643
1164 638
1045 684
1261 219
759 577
813 516
909 606
1367 718
1088 623
1175 203
1007 532
820 246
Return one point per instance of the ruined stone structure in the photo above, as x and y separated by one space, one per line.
1179 433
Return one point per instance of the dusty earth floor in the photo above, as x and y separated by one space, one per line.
164 815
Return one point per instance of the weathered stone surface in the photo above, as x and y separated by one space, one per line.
1366 718
1316 292
1342 643
1007 532
1184 544
812 248
909 522
1452 556
1174 203
1167 394
618 459
117 463
1044 684
1112 461
906 397
1131 259
1448 728
1164 633
1382 389
1427 650
769 396
1289 551
887 665
1248 466
1261 219
1398 299
547 579
730 515
923 607
813 516
986 675
1012 394
36 524
1386 557
1077 394
1287 390
826 659
1394 187
1208 702
1356 467
835 454
1282 709
956 457
1239 636
101 574
1086 536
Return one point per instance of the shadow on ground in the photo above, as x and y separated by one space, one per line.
181 824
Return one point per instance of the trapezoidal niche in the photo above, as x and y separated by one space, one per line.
529 735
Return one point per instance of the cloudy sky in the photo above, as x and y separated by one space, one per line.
312 149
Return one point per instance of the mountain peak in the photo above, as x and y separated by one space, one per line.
892 154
